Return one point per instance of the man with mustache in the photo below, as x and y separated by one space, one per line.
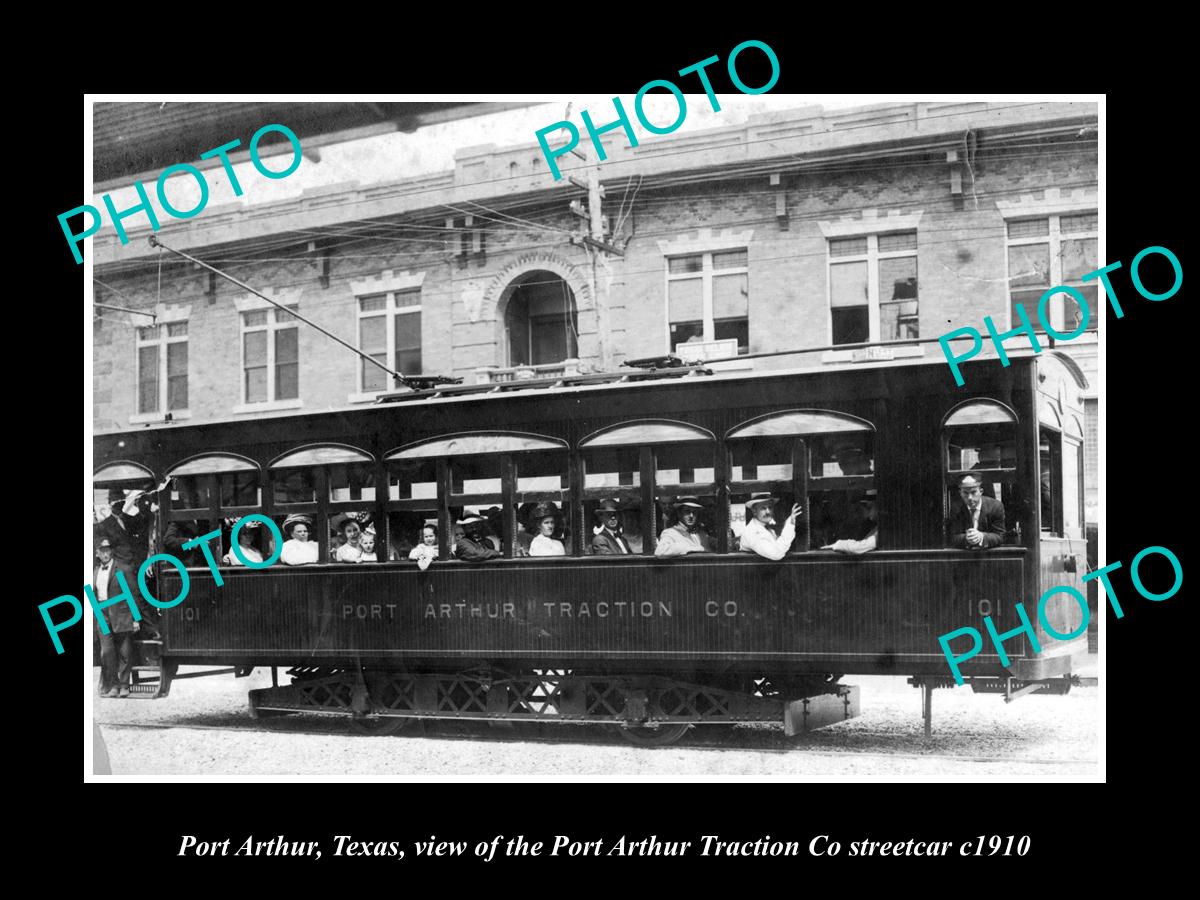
758 536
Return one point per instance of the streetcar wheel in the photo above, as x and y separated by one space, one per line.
653 735
377 725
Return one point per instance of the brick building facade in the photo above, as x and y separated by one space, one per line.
796 230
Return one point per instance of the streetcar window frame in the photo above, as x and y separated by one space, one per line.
318 459
207 470
796 430
649 437
505 449
999 424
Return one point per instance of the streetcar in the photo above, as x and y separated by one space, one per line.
651 646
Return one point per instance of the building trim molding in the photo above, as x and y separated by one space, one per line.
387 281
251 302
165 314
493 294
1054 200
871 222
705 241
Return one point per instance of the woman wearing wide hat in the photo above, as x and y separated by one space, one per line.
298 547
249 542
350 528
687 535
545 516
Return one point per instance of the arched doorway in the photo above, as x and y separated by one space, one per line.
541 323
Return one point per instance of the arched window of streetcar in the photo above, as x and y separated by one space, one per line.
493 475
336 485
205 492
980 439
129 526
641 468
823 461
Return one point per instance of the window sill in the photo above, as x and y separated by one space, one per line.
159 417
268 406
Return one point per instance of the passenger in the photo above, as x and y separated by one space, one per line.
298 549
248 538
126 528
853 461
426 551
546 515
868 528
758 535
473 546
528 530
495 521
351 531
368 545
686 535
979 523
608 540
116 647
177 534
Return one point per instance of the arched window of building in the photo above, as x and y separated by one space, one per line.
540 320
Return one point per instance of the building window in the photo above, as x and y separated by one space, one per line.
873 288
162 368
270 355
1047 251
389 328
708 298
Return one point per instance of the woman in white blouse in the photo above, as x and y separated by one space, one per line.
544 544
247 538
298 549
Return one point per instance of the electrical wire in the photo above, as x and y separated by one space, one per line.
831 213
1082 118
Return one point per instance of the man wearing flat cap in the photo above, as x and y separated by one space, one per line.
978 522
687 535
758 536
609 541
472 546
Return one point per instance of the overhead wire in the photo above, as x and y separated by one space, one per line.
774 165
661 184
820 214
451 290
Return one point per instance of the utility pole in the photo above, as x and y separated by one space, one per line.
598 250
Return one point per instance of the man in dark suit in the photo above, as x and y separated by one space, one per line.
116 647
609 541
978 523
473 546
127 528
